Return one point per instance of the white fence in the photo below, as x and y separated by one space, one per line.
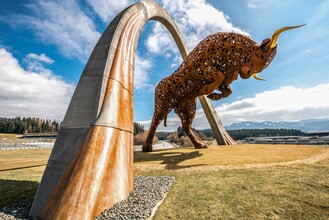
26 145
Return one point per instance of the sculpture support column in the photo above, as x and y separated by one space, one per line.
221 135
101 173
91 165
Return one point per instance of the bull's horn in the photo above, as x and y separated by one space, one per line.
257 77
276 34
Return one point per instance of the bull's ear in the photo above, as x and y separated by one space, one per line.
265 45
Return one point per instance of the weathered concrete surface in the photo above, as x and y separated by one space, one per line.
221 135
99 124
83 110
97 178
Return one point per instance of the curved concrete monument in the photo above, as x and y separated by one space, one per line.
91 165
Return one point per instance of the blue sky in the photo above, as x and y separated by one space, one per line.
44 46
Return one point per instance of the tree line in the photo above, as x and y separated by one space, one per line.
140 134
241 134
138 128
245 133
25 125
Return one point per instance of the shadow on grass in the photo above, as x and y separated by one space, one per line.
13 191
171 159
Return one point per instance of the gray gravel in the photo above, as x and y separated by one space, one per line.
19 210
147 192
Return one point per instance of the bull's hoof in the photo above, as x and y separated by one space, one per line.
215 96
147 148
200 146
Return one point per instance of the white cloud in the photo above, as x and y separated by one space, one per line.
35 63
260 4
142 73
160 41
251 4
107 9
31 93
41 58
63 25
284 104
195 19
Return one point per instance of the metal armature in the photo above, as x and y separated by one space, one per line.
213 65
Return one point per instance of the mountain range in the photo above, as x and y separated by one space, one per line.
303 125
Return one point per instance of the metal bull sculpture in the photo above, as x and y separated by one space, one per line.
212 65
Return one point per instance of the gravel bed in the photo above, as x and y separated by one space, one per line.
19 210
147 193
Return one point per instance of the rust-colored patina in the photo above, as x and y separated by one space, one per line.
101 172
212 65
96 178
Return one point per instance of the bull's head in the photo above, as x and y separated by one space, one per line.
263 54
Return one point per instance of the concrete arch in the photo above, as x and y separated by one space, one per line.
91 165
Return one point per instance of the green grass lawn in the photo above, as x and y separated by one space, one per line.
228 155
279 192
240 182
9 138
15 159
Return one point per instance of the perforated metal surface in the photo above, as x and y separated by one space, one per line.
212 65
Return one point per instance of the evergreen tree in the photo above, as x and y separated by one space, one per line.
244 133
20 125
138 128
180 132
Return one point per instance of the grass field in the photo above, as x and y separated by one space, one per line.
229 155
9 138
17 159
239 182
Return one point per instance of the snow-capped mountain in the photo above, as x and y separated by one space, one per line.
303 125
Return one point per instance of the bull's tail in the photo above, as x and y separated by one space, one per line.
165 121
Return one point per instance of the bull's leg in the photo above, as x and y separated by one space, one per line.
215 96
147 146
186 112
208 89
218 78
226 91
160 112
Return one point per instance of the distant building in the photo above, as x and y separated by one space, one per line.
318 133
311 139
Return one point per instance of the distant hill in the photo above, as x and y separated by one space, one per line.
303 125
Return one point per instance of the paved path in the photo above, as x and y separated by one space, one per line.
160 145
